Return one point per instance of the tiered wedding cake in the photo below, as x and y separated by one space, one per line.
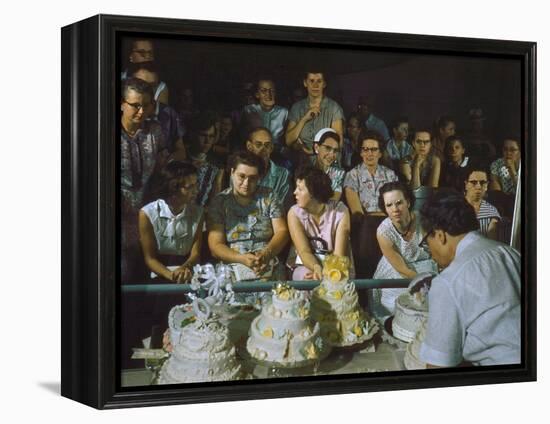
201 348
335 306
411 309
283 334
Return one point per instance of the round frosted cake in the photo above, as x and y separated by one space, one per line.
411 360
410 311
202 349
335 306
283 333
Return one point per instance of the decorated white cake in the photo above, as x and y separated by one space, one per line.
201 347
411 309
411 360
283 334
335 306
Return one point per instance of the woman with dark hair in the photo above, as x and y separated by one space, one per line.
475 188
170 228
423 167
317 225
361 187
452 171
444 128
140 143
245 222
399 237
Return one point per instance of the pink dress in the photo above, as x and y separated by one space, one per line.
326 229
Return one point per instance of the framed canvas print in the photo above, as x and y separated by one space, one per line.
255 211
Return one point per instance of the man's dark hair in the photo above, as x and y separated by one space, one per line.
245 157
317 182
139 86
399 120
315 71
170 179
264 78
395 186
254 130
147 66
450 212
443 121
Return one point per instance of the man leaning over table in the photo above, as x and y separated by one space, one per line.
474 303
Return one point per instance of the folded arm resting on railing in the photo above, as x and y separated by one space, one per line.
254 286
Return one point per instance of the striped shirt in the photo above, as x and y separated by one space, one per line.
486 214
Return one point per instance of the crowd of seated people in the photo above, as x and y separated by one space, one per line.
273 188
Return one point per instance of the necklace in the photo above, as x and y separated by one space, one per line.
406 231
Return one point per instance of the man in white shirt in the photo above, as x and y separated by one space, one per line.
475 302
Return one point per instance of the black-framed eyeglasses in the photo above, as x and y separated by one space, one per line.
424 242
136 106
482 183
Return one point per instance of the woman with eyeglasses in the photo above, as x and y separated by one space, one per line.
475 184
423 167
170 228
361 187
317 225
326 146
399 237
140 143
246 224
504 171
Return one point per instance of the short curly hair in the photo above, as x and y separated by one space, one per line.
450 212
395 186
317 182
170 178
248 158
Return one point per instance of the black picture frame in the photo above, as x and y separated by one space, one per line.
89 211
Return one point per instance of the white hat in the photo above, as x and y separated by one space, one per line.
322 132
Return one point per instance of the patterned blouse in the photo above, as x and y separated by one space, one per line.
500 170
247 228
367 186
138 155
206 178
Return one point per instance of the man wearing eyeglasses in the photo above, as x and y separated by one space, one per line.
474 316
271 115
276 178
140 143
143 51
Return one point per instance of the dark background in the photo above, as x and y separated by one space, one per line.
422 86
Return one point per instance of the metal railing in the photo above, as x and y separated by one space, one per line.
255 286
